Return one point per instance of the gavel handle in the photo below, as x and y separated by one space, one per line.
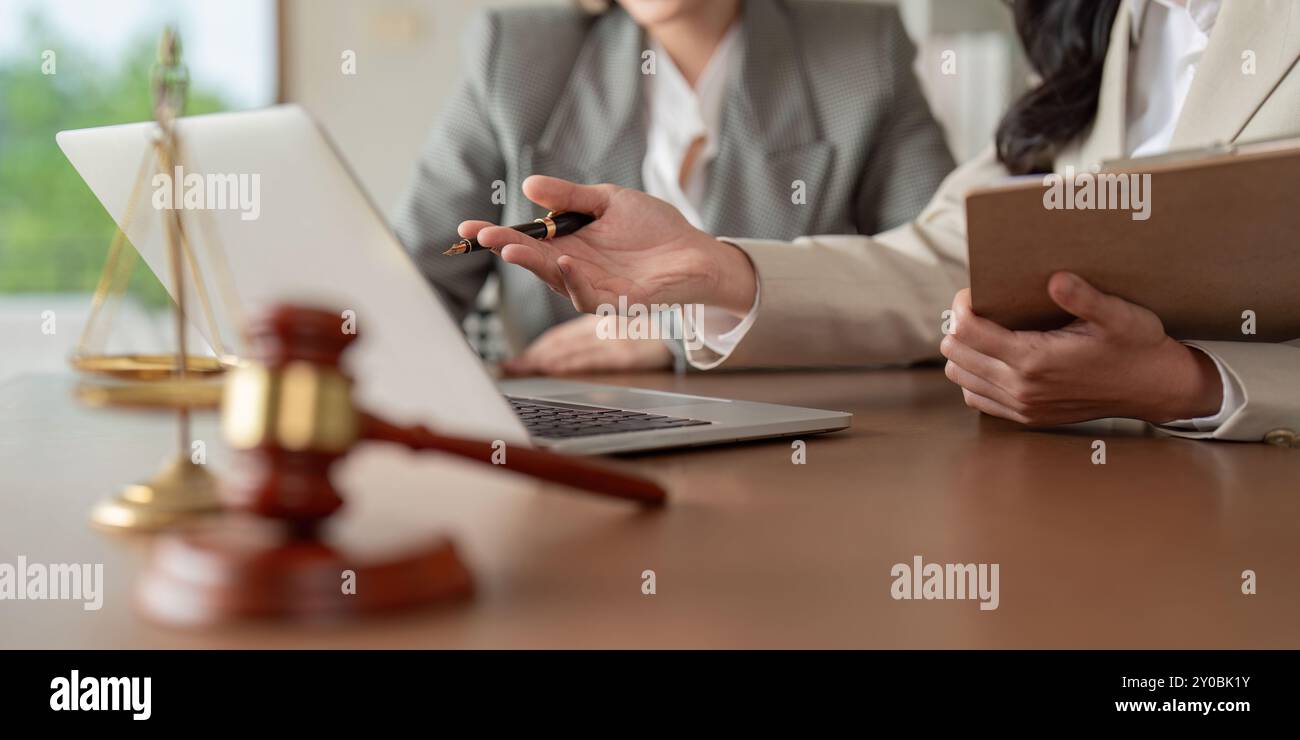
549 466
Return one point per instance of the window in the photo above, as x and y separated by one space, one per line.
80 63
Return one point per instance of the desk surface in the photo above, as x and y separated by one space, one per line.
754 551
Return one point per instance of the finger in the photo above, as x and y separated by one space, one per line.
496 237
574 365
991 407
517 367
991 369
981 334
974 383
578 329
553 344
579 284
533 360
1079 298
536 262
552 362
529 364
469 229
561 195
563 339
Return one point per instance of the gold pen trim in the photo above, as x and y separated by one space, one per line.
549 223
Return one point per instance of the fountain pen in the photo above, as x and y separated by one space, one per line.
547 227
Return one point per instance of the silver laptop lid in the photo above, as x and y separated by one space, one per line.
302 230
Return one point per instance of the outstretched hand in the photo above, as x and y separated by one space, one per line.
639 247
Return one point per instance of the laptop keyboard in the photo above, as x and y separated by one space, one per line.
554 420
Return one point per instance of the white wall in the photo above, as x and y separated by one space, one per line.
407 58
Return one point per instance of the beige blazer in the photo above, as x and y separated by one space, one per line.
853 300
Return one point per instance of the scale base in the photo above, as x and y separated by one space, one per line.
177 494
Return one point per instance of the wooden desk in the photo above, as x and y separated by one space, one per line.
754 551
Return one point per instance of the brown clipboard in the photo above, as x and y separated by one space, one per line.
1222 238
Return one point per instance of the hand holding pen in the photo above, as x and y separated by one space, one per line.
547 227
639 249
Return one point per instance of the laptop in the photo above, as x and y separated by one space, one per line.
294 225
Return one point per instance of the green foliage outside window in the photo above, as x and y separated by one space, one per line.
53 231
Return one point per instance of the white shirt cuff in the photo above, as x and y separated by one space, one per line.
1233 400
718 330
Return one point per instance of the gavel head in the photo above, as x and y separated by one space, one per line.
288 412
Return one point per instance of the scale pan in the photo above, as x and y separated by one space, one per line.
148 367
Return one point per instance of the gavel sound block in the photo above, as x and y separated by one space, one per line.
290 417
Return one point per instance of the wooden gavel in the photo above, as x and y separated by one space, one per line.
291 416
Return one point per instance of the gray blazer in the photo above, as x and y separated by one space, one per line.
826 96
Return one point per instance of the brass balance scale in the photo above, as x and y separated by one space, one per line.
269 554
180 382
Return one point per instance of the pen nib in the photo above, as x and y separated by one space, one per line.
459 247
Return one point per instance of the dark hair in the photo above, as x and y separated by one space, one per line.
1066 43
